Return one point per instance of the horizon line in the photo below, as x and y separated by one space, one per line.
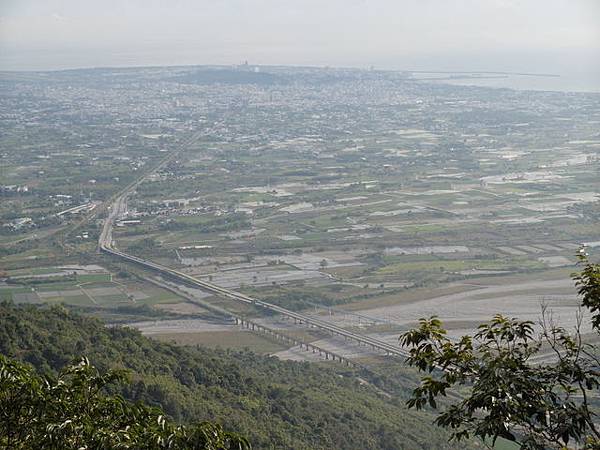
301 66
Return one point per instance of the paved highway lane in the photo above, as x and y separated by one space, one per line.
106 245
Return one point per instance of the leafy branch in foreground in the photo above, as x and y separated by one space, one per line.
513 389
72 412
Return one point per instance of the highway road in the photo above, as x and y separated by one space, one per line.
62 232
117 205
374 343
106 245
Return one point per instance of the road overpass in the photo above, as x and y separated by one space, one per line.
361 339
105 245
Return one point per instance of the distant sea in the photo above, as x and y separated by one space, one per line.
561 83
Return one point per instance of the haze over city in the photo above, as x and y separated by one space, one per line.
495 35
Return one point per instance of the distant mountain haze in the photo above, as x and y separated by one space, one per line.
556 36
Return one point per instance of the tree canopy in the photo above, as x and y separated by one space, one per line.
533 385
72 411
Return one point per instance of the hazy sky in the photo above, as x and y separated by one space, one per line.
525 35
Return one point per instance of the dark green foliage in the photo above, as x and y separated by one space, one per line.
588 287
72 412
540 404
275 404
44 280
143 245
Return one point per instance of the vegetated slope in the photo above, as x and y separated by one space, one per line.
275 404
73 412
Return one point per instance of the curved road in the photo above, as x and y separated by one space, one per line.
105 244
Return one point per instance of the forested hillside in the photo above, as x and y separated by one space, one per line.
276 404
73 412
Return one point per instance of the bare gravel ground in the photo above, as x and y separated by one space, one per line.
181 308
336 344
461 312
523 300
153 327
